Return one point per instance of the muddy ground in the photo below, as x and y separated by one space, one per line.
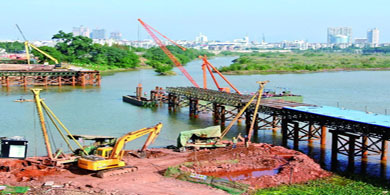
276 164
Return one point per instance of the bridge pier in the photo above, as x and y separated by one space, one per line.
349 144
249 116
172 102
193 104
271 121
275 123
299 131
219 113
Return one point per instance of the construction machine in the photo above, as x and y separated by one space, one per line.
27 45
211 137
59 158
108 160
208 66
163 47
55 159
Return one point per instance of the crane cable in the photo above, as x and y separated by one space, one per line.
35 131
50 132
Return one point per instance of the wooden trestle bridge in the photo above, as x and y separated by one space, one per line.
354 133
46 78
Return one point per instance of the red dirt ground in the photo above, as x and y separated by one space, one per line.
295 167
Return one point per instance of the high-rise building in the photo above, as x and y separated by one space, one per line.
360 41
373 36
98 34
81 31
116 35
339 35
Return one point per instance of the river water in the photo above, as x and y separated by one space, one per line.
100 110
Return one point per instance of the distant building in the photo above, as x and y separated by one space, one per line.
81 31
98 34
201 38
116 35
361 41
297 44
373 36
339 35
244 41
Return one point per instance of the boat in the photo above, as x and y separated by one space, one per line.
23 100
26 100
141 101
284 95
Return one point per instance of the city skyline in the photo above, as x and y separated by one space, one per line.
278 20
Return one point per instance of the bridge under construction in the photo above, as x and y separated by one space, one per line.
354 133
61 77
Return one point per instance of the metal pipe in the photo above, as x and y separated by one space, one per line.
38 102
256 108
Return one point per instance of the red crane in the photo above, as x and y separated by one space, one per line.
211 68
150 30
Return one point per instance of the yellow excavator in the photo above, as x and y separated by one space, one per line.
108 160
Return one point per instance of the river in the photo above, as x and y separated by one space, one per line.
100 110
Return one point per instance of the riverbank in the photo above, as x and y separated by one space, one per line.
262 72
276 63
220 165
330 185
165 171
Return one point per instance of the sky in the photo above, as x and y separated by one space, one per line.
220 20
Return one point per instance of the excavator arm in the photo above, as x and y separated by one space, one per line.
152 131
113 164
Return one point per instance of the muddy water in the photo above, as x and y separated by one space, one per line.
246 174
100 111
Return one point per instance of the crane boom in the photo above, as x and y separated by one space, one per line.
167 52
21 32
27 45
209 66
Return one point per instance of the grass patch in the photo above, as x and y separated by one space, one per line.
230 187
328 186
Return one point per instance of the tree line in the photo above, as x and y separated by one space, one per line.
80 50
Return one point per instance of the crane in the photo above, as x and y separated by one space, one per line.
27 45
211 68
259 94
216 141
109 159
41 108
150 30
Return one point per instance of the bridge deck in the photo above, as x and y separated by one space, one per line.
350 115
345 120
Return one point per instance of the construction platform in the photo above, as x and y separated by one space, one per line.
49 78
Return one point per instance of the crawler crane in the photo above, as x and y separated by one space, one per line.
27 45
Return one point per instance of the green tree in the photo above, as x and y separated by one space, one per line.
82 50
12 47
49 50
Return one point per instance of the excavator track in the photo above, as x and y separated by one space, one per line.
116 171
